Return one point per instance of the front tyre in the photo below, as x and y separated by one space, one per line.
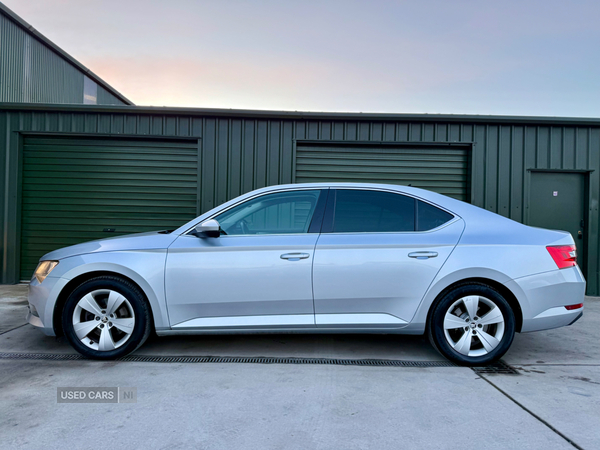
472 325
106 318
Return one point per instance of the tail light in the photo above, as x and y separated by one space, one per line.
563 255
572 307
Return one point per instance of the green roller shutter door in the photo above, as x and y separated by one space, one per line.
77 190
440 169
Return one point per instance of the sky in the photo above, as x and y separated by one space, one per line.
508 57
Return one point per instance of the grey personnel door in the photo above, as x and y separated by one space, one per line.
557 201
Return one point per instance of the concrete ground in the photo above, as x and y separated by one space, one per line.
554 402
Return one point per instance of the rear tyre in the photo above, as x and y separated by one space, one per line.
472 325
106 318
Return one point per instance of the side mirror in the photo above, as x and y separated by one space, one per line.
208 228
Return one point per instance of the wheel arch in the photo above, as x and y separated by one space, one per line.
494 284
78 281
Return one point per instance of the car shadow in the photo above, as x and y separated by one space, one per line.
356 346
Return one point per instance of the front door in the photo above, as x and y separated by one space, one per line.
377 255
557 202
258 273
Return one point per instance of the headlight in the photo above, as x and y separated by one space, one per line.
43 270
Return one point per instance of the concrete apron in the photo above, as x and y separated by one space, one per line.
553 403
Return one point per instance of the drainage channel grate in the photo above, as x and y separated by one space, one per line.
237 359
44 356
282 360
499 368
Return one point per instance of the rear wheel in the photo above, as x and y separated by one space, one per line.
472 325
106 318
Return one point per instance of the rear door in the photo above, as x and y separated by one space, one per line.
378 253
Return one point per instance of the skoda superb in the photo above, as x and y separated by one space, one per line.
317 258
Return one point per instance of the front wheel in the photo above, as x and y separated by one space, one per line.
472 325
106 318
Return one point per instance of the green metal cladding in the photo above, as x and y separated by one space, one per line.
439 168
243 150
76 190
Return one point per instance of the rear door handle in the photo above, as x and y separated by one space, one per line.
294 256
422 255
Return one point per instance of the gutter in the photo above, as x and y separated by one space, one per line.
307 115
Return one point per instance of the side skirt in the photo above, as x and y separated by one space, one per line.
295 324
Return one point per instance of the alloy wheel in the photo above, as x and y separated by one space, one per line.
474 325
103 320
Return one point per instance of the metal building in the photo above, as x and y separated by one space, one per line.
35 70
76 173
71 173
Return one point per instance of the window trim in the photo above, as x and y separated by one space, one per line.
316 222
329 217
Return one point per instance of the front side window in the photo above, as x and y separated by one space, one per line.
358 211
277 213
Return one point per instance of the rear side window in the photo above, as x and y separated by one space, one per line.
372 212
430 217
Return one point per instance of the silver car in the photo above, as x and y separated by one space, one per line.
317 258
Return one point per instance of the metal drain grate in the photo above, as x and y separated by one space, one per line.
237 359
284 360
499 368
44 356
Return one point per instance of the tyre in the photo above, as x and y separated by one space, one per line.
106 318
472 325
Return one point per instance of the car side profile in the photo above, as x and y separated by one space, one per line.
317 258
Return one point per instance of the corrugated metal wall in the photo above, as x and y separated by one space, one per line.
440 168
72 189
12 52
30 72
240 154
106 98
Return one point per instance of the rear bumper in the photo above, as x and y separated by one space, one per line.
543 298
552 318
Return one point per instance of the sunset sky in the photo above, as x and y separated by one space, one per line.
428 56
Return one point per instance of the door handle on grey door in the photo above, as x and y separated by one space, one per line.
422 255
294 256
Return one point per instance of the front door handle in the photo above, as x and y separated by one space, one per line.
294 256
422 255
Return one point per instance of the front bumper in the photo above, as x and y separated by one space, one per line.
543 298
42 299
